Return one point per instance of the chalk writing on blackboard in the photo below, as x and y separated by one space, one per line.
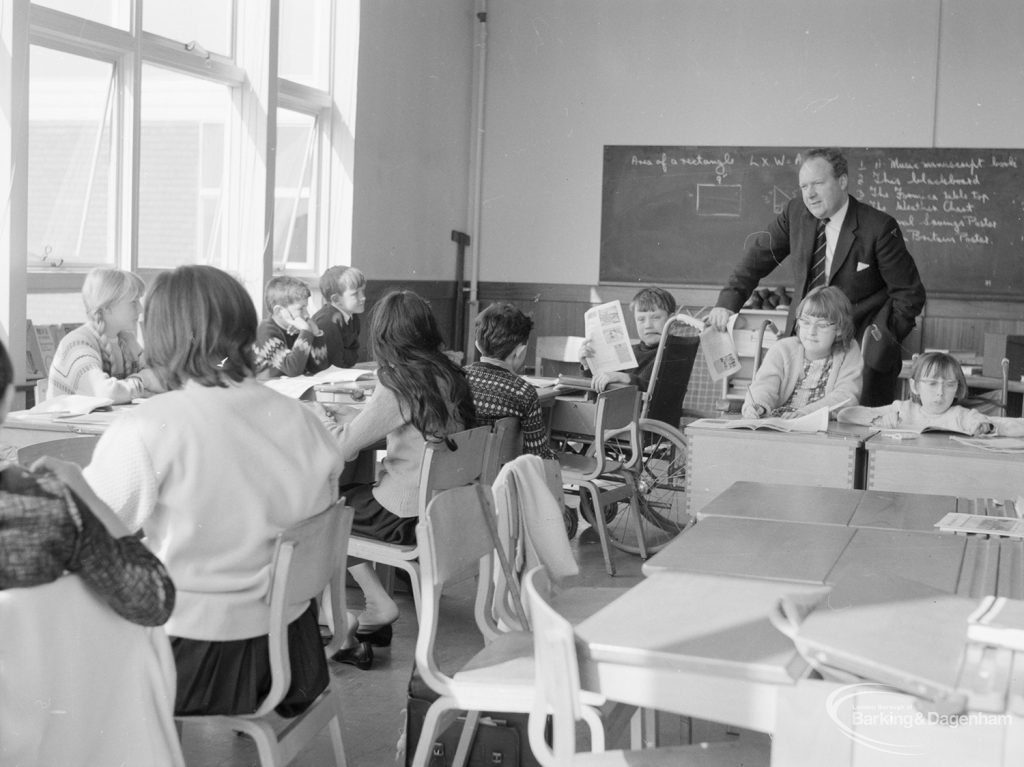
682 214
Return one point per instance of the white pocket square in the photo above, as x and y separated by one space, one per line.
861 266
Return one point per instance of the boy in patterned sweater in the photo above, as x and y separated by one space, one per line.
288 342
502 332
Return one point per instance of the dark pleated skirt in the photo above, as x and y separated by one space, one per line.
372 520
234 677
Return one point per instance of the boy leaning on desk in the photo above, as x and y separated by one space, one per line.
288 341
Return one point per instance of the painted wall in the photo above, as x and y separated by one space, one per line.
566 77
412 137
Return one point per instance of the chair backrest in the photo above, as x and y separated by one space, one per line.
673 365
59 639
759 344
505 445
78 450
453 537
306 555
445 468
557 675
554 355
618 418
496 607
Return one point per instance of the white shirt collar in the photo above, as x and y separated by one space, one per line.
835 221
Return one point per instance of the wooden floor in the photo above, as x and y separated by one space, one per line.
375 699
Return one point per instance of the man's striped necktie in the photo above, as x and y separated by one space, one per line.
817 279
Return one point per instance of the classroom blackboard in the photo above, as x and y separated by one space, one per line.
683 214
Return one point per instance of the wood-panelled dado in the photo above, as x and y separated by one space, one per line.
947 323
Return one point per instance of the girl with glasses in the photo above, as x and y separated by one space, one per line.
819 367
937 384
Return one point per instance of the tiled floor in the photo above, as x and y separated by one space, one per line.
375 699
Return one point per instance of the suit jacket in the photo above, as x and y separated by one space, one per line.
871 265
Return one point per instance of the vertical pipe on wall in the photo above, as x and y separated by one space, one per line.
938 70
476 162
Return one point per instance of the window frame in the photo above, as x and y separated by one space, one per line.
247 227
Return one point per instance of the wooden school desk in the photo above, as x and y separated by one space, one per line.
833 506
709 650
715 458
934 463
801 552
22 428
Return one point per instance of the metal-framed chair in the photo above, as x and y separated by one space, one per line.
443 468
306 557
615 415
456 541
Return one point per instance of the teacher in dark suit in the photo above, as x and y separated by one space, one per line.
830 238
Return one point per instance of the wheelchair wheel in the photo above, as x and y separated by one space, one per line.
660 481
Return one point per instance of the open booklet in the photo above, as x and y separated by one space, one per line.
297 386
955 522
609 339
71 405
807 424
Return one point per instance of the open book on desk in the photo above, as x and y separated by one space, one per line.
806 424
346 379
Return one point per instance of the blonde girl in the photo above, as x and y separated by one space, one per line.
103 358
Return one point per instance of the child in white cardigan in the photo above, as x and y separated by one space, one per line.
819 367
937 383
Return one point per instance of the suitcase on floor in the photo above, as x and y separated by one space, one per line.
501 739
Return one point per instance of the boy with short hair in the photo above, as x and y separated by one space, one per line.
502 333
288 342
344 292
652 306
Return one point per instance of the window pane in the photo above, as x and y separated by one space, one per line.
303 42
71 178
114 13
296 150
181 169
208 22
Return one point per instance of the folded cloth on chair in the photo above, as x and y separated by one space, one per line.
524 501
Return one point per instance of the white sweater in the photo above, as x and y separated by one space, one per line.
212 475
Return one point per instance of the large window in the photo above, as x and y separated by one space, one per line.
296 157
203 23
304 42
71 173
149 148
182 169
151 133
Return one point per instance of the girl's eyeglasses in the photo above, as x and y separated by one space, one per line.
820 325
